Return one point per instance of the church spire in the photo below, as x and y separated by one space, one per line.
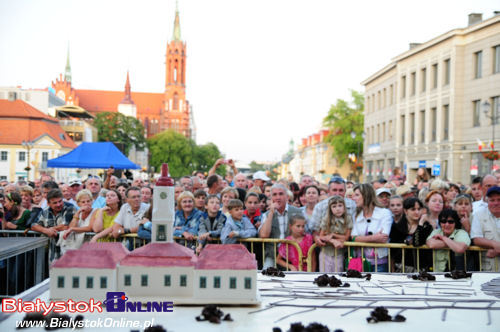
67 70
127 99
177 25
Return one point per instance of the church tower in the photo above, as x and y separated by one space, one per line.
127 106
176 112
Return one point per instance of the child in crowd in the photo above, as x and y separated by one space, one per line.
396 207
226 195
252 210
288 256
335 228
237 225
211 222
200 197
263 203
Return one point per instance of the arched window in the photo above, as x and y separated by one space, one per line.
175 75
176 101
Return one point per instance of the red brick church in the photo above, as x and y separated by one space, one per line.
157 111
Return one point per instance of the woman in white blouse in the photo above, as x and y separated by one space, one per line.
372 224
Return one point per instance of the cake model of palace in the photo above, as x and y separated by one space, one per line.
160 270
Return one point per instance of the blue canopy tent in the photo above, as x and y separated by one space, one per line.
93 155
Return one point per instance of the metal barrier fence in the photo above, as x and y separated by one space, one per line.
258 247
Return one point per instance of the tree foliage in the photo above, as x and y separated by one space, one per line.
182 154
343 119
119 128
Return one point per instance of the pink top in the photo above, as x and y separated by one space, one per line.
293 255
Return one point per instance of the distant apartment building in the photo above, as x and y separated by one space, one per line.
43 100
426 108
313 157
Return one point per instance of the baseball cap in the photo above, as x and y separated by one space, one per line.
260 175
75 181
383 190
493 190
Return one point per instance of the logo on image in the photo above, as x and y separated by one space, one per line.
118 302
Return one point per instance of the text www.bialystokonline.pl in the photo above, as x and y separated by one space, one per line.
88 323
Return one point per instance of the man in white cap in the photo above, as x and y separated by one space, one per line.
384 196
259 179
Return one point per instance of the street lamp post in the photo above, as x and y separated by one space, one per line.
28 145
495 114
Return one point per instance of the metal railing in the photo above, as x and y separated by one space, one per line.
258 247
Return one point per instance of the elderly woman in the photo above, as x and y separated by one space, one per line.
372 224
187 217
82 222
449 236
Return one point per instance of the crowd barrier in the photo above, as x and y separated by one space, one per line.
258 247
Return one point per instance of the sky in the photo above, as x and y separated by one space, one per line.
259 73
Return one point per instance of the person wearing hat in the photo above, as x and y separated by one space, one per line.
76 185
259 179
383 196
485 230
405 191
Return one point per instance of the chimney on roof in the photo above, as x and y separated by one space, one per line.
413 45
475 18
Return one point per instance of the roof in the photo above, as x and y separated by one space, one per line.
93 256
226 257
19 121
107 101
160 254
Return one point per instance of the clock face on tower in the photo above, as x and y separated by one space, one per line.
61 95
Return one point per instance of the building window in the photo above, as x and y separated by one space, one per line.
368 104
22 155
216 282
413 83
434 75
379 99
478 64
203 282
76 282
434 124
447 69
45 156
144 280
166 280
496 108
183 280
248 283
446 120
412 128
383 132
232 282
403 130
403 87
476 112
128 280
60 282
422 126
385 97
424 79
3 156
389 130
104 282
496 59
90 282
391 94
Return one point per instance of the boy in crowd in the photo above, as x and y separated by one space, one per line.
237 225
211 222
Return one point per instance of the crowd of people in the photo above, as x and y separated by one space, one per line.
445 216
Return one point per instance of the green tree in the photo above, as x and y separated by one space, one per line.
343 119
182 154
116 127
255 166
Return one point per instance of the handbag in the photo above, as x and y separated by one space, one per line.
360 264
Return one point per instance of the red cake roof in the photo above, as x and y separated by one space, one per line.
226 257
160 254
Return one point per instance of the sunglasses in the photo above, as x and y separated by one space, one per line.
447 221
336 179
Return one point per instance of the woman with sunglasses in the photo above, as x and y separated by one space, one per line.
449 236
